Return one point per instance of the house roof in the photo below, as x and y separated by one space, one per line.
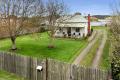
71 25
77 19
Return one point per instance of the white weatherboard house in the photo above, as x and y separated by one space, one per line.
75 26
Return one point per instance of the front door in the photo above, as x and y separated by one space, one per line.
69 32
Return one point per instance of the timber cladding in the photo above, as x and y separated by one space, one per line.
52 70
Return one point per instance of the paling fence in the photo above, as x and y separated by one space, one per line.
52 70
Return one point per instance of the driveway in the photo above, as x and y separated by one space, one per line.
99 52
87 49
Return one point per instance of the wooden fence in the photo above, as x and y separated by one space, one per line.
52 70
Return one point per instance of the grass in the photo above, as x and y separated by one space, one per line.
36 46
7 76
105 63
99 27
87 61
78 52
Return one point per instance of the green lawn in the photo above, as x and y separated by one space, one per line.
36 46
7 76
88 60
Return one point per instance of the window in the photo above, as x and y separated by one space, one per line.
77 29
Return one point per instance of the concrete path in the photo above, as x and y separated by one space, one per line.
86 50
99 53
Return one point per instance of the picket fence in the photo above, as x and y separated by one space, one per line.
52 70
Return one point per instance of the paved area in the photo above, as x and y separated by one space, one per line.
87 49
99 52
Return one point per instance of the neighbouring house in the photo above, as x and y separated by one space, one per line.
92 18
76 26
106 22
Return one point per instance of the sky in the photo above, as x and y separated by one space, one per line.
93 7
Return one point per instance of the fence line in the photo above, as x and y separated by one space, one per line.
52 69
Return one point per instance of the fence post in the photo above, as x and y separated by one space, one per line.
46 68
0 61
109 75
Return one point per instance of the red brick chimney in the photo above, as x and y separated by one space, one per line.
89 24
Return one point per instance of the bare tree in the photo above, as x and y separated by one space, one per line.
55 9
17 15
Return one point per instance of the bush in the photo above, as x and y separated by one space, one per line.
42 29
115 64
91 30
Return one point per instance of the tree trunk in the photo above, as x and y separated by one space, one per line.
51 43
13 39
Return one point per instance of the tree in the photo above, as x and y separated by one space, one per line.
17 15
55 9
115 40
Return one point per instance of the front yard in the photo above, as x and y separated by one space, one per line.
36 46
7 76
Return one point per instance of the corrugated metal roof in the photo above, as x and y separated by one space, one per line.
72 25
72 21
77 19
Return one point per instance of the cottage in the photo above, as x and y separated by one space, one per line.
75 26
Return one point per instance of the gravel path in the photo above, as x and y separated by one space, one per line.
99 53
86 50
